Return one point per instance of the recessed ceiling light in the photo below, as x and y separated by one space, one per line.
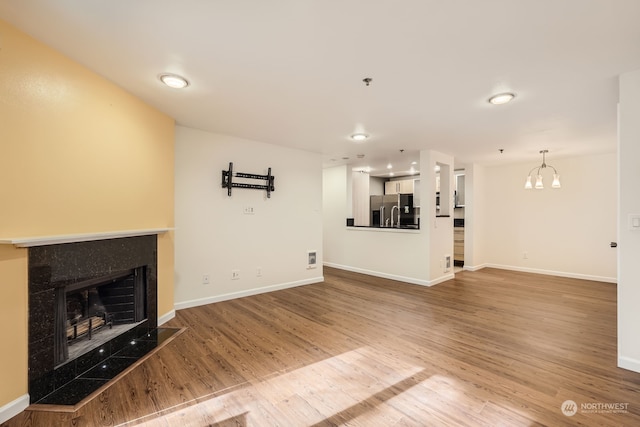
389 166
359 136
173 80
390 173
501 98
414 163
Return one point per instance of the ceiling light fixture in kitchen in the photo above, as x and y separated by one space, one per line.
539 186
501 98
359 137
173 80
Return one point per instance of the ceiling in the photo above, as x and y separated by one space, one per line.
290 72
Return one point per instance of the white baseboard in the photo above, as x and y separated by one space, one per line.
473 267
442 279
629 363
554 273
399 278
166 317
12 409
249 292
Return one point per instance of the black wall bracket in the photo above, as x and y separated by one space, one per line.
227 181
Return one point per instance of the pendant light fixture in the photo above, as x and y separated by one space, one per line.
539 185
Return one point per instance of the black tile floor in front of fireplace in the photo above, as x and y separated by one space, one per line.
78 379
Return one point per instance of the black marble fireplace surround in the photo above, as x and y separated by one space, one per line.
55 267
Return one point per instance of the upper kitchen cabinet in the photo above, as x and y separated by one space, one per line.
399 186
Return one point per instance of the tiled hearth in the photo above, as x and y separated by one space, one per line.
81 377
52 268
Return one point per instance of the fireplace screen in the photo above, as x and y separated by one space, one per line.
87 308
86 314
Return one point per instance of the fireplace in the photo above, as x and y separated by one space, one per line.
82 295
86 312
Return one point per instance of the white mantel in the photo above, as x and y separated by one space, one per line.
26 242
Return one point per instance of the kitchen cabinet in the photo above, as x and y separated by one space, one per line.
400 186
458 246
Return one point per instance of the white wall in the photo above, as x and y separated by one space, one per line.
396 254
439 229
393 254
214 237
361 201
564 231
376 186
629 240
475 211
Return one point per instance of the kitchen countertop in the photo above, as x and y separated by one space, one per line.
403 228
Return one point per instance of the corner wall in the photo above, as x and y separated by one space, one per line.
629 239
476 212
438 225
213 234
80 155
384 253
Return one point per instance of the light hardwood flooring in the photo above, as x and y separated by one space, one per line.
489 348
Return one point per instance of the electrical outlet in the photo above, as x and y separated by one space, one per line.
205 279
525 255
248 210
258 271
235 274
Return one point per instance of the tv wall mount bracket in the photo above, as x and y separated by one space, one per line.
227 180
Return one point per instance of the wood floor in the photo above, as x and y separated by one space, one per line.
489 348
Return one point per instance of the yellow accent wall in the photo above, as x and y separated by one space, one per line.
77 155
13 323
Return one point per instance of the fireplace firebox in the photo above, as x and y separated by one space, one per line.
86 312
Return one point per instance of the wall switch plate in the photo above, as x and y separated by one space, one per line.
235 274
205 279
634 221
258 271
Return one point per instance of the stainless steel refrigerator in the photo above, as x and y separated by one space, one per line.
404 214
381 207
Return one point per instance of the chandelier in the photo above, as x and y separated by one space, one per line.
538 185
